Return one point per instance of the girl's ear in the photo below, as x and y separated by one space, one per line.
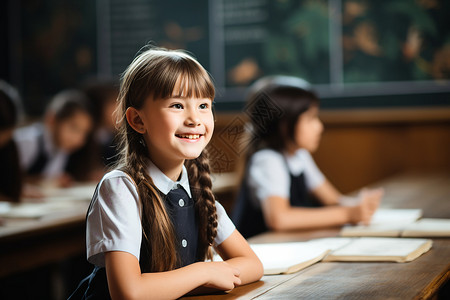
134 119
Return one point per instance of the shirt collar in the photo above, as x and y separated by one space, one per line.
164 183
49 144
295 162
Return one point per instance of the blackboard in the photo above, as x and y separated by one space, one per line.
354 52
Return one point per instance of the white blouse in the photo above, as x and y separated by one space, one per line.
27 140
269 173
114 219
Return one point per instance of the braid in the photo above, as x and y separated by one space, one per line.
205 208
157 227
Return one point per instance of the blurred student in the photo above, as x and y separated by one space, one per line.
280 173
10 176
103 97
45 149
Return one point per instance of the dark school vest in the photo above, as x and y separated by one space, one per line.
249 218
182 213
41 159
11 175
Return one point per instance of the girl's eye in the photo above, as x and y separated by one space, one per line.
177 106
204 106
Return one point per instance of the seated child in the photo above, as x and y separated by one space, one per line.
280 171
45 148
103 97
153 221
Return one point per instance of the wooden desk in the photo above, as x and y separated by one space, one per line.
419 279
29 243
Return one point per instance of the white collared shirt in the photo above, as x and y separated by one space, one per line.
269 173
114 219
27 140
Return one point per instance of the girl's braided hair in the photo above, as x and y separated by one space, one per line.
152 75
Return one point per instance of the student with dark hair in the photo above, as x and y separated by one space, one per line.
280 174
10 176
103 94
154 220
45 148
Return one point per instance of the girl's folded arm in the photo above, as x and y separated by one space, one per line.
280 215
125 280
237 252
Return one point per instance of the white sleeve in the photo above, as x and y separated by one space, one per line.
113 221
313 176
26 139
268 175
225 226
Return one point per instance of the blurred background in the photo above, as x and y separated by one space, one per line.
358 53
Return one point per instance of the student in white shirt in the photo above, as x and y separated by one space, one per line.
153 221
46 148
280 173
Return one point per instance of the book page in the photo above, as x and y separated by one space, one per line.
379 249
385 216
80 192
380 230
35 210
332 243
385 222
280 258
428 228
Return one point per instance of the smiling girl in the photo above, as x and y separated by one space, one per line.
281 173
153 221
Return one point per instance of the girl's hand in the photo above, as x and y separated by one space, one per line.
65 180
221 276
32 193
369 202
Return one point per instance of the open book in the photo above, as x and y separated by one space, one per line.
385 222
381 249
425 227
428 228
285 258
33 210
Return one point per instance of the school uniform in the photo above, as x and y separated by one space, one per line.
38 154
11 176
114 224
271 173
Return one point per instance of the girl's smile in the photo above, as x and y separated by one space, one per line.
189 137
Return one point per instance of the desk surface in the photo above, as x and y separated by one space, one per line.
419 279
28 243
37 242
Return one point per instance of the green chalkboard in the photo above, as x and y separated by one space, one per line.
348 49
354 52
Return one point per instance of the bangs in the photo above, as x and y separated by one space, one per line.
182 77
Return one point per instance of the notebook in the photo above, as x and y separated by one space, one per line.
286 258
385 223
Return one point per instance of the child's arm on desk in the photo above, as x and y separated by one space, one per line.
125 280
280 215
236 251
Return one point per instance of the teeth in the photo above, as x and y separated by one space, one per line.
190 136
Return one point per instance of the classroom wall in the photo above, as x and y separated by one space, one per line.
358 147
